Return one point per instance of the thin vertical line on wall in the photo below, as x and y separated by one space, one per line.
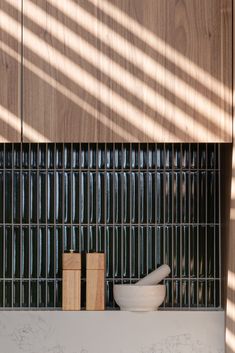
21 71
233 78
233 68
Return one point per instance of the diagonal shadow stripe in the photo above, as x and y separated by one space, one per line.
222 112
141 131
8 118
181 67
121 14
173 97
101 106
12 130
127 35
121 90
224 105
111 84
229 338
73 91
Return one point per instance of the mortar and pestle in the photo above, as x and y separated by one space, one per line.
145 295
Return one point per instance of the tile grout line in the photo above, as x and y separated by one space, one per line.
138 230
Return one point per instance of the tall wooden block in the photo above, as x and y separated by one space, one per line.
71 282
95 276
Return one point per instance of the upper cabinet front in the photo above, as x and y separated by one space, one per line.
126 70
10 71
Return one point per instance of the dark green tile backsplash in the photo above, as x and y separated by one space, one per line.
143 204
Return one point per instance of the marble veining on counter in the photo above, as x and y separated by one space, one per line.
112 332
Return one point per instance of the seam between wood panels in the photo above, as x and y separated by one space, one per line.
21 72
233 70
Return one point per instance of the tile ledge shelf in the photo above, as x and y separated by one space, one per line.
112 331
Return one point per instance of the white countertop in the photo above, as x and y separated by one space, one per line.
112 332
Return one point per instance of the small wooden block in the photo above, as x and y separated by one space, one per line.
72 261
95 277
71 290
95 293
95 261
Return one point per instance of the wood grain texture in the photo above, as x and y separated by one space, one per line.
128 70
229 279
95 261
10 89
95 285
56 102
226 170
71 261
71 297
229 276
95 293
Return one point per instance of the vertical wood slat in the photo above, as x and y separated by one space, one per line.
10 72
229 275
230 265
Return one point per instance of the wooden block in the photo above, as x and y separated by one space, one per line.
95 294
95 276
72 261
71 290
71 281
95 261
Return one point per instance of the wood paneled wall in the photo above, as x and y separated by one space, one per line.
10 72
121 70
